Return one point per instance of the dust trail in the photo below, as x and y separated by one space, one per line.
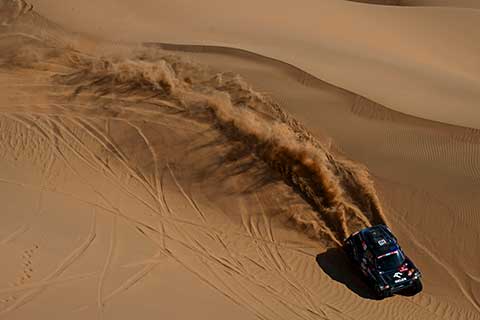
339 190
10 10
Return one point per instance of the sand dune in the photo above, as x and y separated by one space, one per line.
141 179
397 56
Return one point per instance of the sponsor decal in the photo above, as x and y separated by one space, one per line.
382 242
399 276
400 280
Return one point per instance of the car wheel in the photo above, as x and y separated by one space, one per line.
417 286
380 294
347 247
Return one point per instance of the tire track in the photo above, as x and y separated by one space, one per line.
156 184
227 295
102 165
26 226
46 284
265 253
151 189
190 200
135 222
282 267
227 265
217 262
268 226
247 226
76 254
109 145
131 281
204 252
15 234
449 271
106 267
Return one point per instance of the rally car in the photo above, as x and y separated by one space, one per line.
387 269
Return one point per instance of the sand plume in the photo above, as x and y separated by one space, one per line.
10 10
339 190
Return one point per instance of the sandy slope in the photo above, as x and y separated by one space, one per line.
133 186
112 219
428 173
106 217
420 61
471 4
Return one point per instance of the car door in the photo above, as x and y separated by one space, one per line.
370 263
357 250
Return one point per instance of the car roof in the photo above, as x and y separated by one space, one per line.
380 239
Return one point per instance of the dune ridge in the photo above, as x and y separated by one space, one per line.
362 106
384 47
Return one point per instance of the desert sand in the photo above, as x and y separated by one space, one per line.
204 160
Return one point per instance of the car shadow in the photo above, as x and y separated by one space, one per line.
336 265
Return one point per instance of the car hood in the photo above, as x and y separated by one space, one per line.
397 276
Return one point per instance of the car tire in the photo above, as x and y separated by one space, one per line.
379 294
382 294
347 248
417 286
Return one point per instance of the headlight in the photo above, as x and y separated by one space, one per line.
416 275
384 287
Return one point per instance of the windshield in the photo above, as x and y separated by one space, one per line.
391 260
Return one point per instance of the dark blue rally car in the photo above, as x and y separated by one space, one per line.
376 252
